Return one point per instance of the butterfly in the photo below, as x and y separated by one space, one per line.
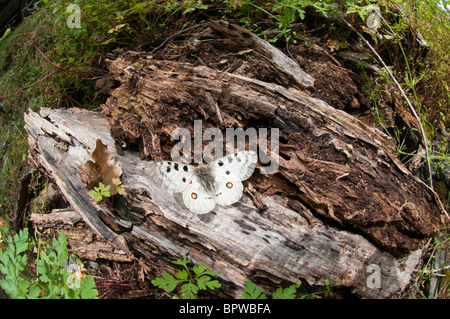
204 186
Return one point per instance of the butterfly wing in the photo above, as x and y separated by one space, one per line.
197 199
238 166
171 175
228 191
229 171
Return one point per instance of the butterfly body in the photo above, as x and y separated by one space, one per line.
204 186
206 178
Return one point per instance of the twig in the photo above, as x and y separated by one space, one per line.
45 77
422 132
29 85
55 65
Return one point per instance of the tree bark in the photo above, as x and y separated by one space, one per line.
340 207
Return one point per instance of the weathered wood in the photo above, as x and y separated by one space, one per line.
339 167
61 168
81 239
340 206
238 242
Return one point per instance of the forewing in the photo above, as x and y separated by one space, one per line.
237 166
171 175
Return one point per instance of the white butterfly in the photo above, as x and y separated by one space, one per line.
204 186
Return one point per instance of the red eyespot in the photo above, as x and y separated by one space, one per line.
229 184
194 196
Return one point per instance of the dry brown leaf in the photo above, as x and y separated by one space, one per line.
104 168
90 175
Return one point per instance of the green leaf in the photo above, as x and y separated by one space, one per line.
286 293
6 34
199 269
10 288
21 241
97 196
183 274
181 262
159 282
51 276
100 192
201 282
252 291
87 290
121 191
209 273
42 269
190 284
60 245
212 284
168 282
189 288
34 292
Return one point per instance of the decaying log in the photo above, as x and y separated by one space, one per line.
340 168
340 207
237 242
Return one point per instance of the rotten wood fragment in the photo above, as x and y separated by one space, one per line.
81 239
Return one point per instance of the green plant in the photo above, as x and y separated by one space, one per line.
6 34
100 192
103 191
287 12
120 187
13 262
52 278
192 281
252 291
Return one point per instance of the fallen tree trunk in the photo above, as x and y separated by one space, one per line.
340 168
340 207
238 243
